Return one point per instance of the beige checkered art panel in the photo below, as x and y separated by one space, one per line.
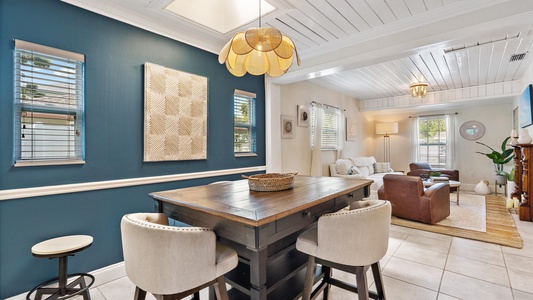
175 115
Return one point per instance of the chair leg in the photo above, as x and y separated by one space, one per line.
327 277
309 278
139 294
378 280
362 284
220 289
196 296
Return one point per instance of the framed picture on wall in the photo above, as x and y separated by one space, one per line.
287 127
526 116
303 116
351 129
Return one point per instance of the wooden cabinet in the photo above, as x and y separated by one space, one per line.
524 179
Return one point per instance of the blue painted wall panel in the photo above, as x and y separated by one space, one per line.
115 55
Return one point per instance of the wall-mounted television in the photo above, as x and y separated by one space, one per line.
526 114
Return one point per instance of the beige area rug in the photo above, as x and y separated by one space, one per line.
470 214
500 225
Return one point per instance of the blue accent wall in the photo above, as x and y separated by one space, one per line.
115 54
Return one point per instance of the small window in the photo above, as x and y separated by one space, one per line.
244 123
49 96
330 125
432 141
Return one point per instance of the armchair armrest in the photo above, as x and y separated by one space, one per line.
430 191
452 174
419 172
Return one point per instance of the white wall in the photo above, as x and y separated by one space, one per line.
473 167
296 152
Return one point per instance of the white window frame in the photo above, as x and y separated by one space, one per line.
248 147
440 142
48 106
331 126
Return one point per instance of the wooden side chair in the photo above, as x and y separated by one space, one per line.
352 241
173 262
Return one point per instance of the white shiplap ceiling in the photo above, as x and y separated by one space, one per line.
371 49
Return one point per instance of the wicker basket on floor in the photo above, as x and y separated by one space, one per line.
271 182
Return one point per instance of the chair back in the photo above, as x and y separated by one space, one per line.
404 194
163 259
355 237
419 166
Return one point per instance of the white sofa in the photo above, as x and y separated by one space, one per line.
362 168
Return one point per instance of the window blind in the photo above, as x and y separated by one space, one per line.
330 126
244 122
49 96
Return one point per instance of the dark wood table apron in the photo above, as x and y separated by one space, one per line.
262 226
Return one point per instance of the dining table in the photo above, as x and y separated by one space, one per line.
262 226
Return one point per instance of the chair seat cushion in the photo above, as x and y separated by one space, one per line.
60 245
226 259
308 241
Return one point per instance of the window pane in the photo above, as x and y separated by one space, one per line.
244 123
330 127
48 105
432 141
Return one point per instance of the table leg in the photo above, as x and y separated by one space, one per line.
258 271
458 191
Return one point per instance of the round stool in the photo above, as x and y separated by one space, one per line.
65 286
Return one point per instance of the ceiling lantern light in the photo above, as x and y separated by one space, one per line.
419 89
259 51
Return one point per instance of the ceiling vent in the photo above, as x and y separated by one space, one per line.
517 57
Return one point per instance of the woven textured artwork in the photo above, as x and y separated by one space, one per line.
175 114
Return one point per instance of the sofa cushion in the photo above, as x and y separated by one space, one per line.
363 161
382 167
371 169
343 166
364 171
354 170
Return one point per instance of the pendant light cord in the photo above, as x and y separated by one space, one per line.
259 13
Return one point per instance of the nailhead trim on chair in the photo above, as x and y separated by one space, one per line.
173 228
356 211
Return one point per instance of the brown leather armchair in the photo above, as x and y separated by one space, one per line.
410 201
424 169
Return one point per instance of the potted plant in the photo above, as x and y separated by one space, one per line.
499 159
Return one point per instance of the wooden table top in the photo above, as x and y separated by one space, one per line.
234 200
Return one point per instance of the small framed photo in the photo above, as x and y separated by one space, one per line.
303 116
287 126
351 129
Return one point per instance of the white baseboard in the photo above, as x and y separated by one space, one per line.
101 277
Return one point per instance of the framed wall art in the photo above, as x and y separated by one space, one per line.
303 116
526 114
351 129
287 126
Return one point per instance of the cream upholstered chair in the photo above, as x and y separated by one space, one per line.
349 240
173 262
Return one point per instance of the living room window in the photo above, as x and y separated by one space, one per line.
49 105
432 140
244 123
328 124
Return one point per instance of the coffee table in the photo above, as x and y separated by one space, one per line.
452 183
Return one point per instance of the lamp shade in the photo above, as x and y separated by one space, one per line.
387 128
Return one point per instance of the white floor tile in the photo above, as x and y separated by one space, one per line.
521 280
465 287
519 295
414 273
411 252
518 262
477 269
400 290
489 256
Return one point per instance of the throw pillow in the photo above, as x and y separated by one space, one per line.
364 171
371 169
354 170
343 166
382 167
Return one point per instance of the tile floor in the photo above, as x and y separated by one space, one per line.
423 265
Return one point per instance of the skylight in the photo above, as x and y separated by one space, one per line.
220 15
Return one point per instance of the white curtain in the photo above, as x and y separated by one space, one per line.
316 139
342 134
450 141
414 139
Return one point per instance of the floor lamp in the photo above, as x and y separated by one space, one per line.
386 129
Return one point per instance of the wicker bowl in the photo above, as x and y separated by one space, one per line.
271 182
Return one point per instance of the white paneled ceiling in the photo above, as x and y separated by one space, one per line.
370 49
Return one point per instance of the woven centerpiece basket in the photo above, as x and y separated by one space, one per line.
271 182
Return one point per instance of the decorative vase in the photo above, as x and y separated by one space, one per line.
500 179
524 137
482 188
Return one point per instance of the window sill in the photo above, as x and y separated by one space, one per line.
245 154
36 163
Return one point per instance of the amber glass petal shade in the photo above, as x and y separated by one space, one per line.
285 49
285 63
236 72
232 59
263 39
239 44
288 40
256 63
224 53
275 69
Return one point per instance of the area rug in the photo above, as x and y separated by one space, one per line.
500 225
470 214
